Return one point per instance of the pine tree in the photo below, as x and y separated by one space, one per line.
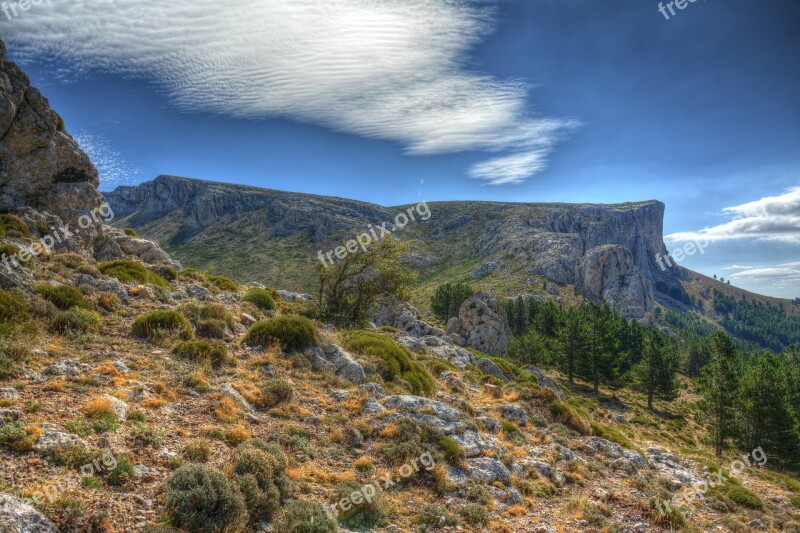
767 417
720 386
599 362
447 299
655 374
572 341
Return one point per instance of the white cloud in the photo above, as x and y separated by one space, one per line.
387 69
774 218
113 168
780 277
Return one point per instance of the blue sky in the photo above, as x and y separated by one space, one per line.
517 100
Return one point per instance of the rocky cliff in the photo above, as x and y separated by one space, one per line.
606 251
50 184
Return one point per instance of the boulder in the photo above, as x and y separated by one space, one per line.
482 324
18 516
490 368
334 359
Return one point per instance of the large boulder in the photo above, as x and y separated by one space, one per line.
17 516
481 324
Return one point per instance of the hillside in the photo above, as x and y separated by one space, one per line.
562 252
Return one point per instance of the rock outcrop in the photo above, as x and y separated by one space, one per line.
481 324
17 516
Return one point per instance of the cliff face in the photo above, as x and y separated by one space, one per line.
48 181
606 251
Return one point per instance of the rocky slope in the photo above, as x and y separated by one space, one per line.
607 252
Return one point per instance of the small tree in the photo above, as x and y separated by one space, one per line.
720 386
572 339
600 360
350 286
655 374
447 300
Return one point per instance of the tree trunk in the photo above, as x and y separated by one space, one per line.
650 400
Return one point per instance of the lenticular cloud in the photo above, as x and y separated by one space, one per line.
387 69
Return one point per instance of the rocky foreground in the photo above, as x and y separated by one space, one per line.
96 419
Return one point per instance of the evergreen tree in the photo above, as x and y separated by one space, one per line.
572 340
599 363
448 298
767 417
720 385
655 374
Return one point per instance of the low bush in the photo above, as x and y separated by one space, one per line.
63 296
201 499
197 451
223 283
192 274
400 362
11 253
259 471
210 320
408 439
366 515
261 298
13 227
122 472
130 232
305 517
452 450
156 325
76 321
474 514
570 417
276 392
201 352
18 437
126 271
432 515
13 308
294 333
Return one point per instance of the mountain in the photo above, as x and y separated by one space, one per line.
555 251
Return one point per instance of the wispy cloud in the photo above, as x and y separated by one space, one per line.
778 277
774 218
114 169
386 69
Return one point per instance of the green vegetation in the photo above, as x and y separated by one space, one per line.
201 352
399 361
13 227
13 308
304 517
76 321
447 300
156 325
351 285
769 326
294 333
223 283
128 271
131 232
261 298
258 469
63 296
210 320
364 516
201 499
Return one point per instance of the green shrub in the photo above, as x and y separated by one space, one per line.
197 451
408 439
11 251
76 321
362 516
192 274
452 450
432 515
667 515
122 472
744 497
261 298
201 499
223 283
294 333
571 418
611 434
210 320
277 391
474 514
260 475
13 227
155 325
63 296
400 362
305 517
147 434
201 352
126 271
130 232
13 308
448 298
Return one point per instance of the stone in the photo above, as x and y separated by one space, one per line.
197 292
372 407
402 316
483 325
334 359
486 269
54 438
486 471
8 393
119 407
247 320
418 404
287 296
619 418
17 516
515 413
373 390
490 368
228 390
354 438
548 382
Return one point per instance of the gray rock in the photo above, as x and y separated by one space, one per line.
619 418
372 407
17 516
488 367
197 292
115 287
419 404
85 279
486 269
402 316
514 413
486 471
334 359
373 390
287 296
119 407
227 390
9 394
549 383
483 324
55 438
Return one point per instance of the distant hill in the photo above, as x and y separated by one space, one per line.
563 252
